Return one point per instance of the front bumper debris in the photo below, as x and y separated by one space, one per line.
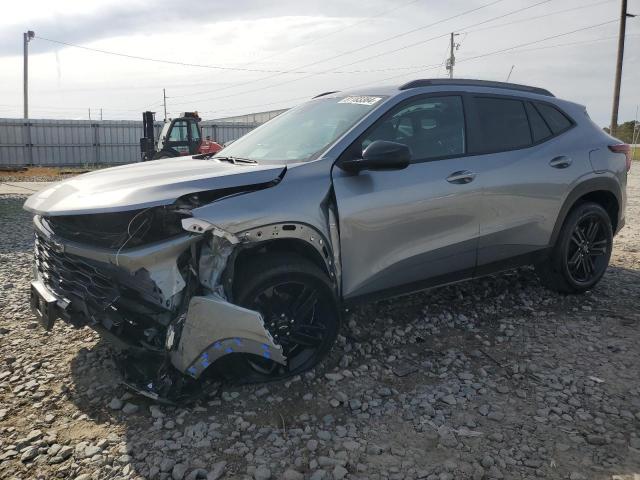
161 304
45 305
213 328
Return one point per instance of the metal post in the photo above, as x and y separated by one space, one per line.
616 86
26 37
25 89
96 143
89 113
164 101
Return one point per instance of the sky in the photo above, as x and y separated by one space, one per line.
225 58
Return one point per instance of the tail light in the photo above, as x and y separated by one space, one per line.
623 148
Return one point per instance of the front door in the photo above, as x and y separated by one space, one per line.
401 230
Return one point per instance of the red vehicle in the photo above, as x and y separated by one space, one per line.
178 137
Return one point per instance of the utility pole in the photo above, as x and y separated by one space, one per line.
451 61
616 85
100 114
26 37
164 101
89 113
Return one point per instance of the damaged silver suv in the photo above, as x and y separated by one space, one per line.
239 264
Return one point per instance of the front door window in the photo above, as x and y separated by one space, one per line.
432 127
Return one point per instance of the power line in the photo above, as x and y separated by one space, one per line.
526 44
333 32
568 44
528 19
416 68
366 58
243 69
169 62
276 73
388 52
423 68
421 42
393 37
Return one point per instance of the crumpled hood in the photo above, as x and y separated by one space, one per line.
142 185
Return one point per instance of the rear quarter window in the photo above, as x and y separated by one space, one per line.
539 127
554 118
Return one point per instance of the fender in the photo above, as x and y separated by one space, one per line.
296 231
593 184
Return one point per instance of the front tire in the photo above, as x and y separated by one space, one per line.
300 310
582 251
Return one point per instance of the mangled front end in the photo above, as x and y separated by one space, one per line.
150 281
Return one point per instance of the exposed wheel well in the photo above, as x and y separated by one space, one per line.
606 200
283 245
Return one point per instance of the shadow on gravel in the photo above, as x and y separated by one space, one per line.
159 440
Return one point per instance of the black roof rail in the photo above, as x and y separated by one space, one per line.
325 93
474 83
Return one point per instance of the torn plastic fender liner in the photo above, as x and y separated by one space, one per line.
213 328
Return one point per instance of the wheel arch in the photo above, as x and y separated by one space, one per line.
604 191
291 237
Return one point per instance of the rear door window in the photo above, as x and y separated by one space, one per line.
502 123
539 128
557 121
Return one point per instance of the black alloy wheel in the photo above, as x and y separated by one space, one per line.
299 309
588 247
582 250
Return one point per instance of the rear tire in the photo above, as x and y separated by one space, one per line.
300 310
582 251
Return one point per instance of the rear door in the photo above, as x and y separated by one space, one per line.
400 230
525 164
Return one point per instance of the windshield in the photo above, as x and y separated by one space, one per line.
303 132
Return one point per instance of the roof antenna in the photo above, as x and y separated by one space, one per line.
510 72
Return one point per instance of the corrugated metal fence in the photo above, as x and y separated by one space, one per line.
84 142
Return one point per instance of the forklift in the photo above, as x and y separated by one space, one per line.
179 137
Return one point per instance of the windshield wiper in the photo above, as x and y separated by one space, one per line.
235 160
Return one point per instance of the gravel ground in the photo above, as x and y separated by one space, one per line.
495 378
22 188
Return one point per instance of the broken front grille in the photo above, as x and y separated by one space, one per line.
71 276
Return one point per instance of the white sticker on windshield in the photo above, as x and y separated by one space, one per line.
361 100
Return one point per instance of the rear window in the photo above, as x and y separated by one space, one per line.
557 121
539 128
503 124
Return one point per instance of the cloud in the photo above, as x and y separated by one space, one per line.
164 15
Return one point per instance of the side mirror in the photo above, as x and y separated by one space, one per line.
380 155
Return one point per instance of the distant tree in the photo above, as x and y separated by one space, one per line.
625 132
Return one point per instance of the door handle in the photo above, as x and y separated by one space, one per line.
461 177
560 162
